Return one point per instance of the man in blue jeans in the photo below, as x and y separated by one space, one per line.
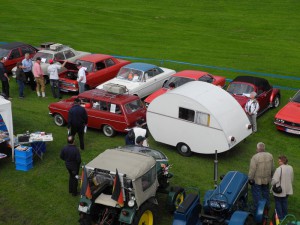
260 174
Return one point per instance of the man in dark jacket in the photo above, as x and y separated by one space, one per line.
4 78
77 121
71 155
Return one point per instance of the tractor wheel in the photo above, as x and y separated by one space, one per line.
178 198
184 149
276 101
59 120
146 215
108 131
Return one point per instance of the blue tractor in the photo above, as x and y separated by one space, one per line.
227 204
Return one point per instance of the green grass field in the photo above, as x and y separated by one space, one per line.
259 36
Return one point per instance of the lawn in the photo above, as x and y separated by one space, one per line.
258 36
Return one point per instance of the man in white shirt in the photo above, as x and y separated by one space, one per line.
81 77
54 79
140 132
251 109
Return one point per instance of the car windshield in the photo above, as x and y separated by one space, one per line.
3 52
296 98
86 64
240 89
134 106
44 56
178 81
130 74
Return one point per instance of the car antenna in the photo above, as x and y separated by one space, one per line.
216 169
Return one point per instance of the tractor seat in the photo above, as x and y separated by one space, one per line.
188 201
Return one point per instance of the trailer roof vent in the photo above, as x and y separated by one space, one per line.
115 88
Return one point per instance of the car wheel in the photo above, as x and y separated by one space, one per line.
179 196
184 149
108 131
276 101
59 120
146 215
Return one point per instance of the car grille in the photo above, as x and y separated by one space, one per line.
65 84
292 124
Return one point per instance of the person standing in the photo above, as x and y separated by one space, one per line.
4 79
27 68
21 78
77 121
71 155
39 77
140 131
81 77
283 176
251 109
54 79
260 174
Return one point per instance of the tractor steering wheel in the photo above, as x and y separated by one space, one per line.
218 202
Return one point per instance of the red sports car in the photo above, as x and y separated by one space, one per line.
186 76
288 118
267 96
107 111
99 68
15 52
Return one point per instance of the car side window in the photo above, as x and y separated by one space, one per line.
103 106
206 78
69 54
100 65
114 108
109 62
15 54
149 74
27 49
59 56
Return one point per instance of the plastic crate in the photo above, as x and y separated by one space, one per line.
24 167
23 160
23 154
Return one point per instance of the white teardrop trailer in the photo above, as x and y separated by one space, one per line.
198 117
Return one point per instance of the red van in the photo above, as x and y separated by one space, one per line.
110 112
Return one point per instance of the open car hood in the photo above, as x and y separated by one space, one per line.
69 65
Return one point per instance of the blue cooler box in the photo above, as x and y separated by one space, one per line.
23 159
24 167
23 154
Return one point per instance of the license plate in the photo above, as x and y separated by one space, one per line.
292 131
82 208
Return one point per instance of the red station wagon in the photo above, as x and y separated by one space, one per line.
107 111
99 68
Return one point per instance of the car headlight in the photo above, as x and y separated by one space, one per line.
223 205
279 120
214 204
131 201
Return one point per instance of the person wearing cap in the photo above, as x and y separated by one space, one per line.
140 131
81 77
39 77
140 141
54 79
27 69
77 121
251 109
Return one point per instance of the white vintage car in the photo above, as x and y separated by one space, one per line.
141 79
55 52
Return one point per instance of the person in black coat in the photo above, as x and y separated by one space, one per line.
77 120
71 155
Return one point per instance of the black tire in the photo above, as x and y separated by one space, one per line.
184 149
250 220
59 120
108 131
146 215
85 219
276 101
179 197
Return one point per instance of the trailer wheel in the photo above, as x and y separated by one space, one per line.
276 101
184 149
59 120
146 215
108 131
178 198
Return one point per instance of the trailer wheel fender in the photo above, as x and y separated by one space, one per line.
239 218
184 149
